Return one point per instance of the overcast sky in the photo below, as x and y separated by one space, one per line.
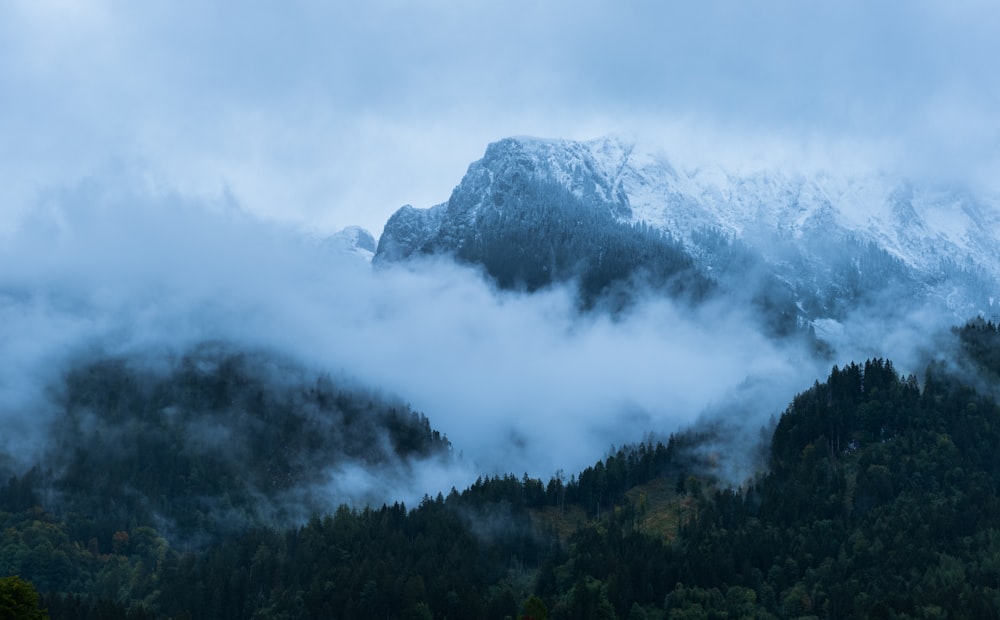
324 114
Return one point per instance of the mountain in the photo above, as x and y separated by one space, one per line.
536 211
530 225
352 240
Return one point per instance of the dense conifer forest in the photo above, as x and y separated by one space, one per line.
879 500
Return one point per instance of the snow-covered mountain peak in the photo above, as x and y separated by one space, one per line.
918 225
590 170
792 219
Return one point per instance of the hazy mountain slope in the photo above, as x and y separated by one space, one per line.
217 440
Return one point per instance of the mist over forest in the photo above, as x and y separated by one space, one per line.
517 310
518 381
187 385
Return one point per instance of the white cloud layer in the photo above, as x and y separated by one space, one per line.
518 382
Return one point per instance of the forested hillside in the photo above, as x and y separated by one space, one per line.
207 444
880 500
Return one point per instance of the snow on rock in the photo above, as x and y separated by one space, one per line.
353 240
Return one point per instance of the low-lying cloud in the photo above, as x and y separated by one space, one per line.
518 382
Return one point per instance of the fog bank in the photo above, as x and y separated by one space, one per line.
519 383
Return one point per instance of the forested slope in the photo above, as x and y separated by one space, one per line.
881 500
208 443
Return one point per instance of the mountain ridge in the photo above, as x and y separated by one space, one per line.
939 239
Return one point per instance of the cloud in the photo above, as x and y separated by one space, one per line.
326 115
518 382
